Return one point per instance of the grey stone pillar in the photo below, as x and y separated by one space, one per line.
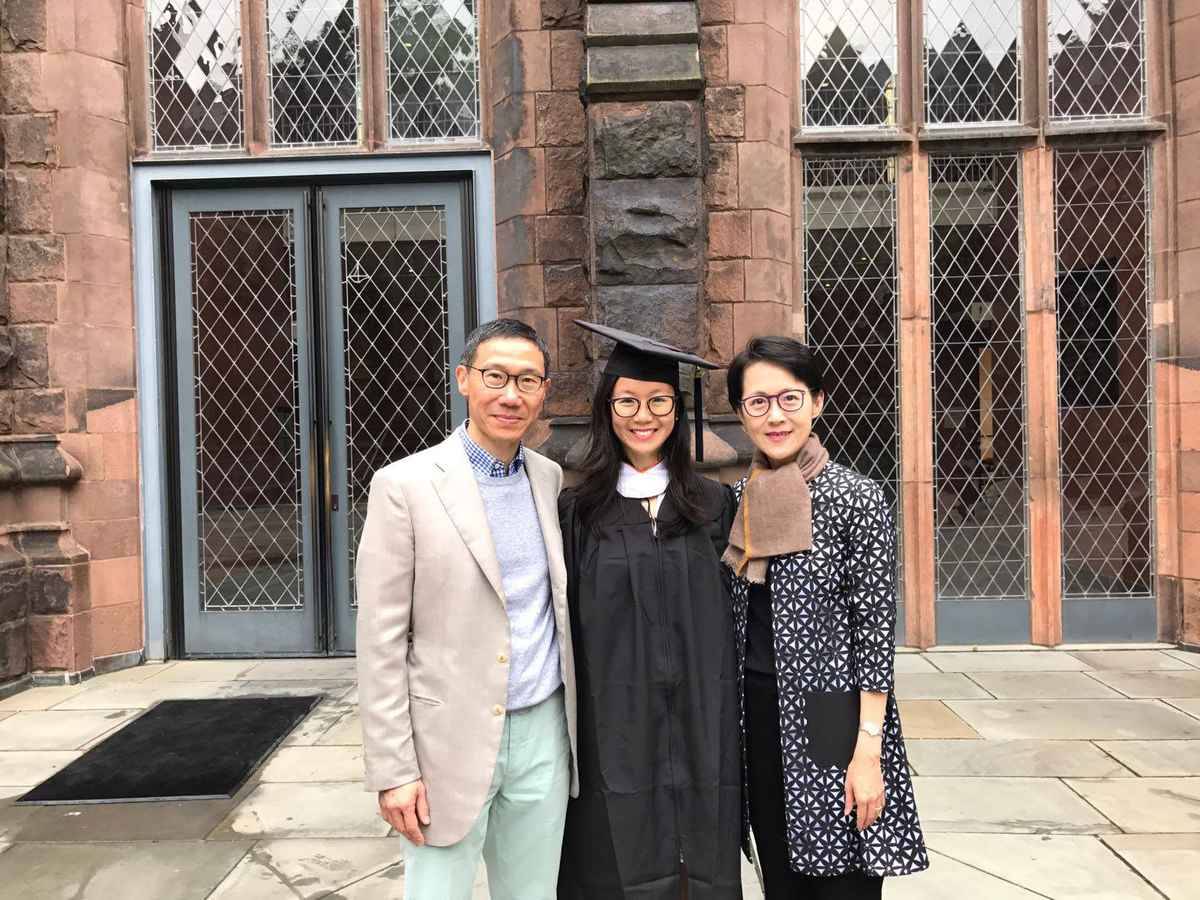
646 162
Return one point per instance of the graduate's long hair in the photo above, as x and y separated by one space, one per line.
601 467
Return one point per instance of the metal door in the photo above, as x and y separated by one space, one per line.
316 330
244 369
396 319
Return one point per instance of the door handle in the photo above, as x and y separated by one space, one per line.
335 502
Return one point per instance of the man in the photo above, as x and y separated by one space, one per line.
466 678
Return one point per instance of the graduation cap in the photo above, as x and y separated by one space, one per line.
646 359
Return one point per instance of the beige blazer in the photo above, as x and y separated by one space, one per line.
433 634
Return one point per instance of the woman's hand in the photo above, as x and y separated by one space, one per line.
864 782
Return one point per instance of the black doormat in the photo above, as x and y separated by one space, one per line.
178 750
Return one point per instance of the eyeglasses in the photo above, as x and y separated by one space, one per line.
498 379
760 404
628 407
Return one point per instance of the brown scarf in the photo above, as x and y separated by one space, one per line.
776 509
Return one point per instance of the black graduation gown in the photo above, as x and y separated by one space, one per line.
656 670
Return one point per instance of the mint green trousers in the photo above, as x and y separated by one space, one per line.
519 830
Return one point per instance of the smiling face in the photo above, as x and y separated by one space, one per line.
643 434
500 418
778 434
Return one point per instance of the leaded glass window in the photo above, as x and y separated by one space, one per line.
1097 59
848 63
1104 369
978 377
850 308
314 72
195 74
972 61
433 69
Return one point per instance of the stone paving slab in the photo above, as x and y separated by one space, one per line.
389 885
288 869
206 670
1146 805
1168 685
307 669
1014 805
932 719
312 810
1075 719
1191 707
937 686
12 818
1020 758
1191 657
323 717
163 870
138 695
1043 686
38 698
145 694
1169 861
346 731
948 879
912 663
132 674
104 822
1063 867
1156 758
1128 660
1007 661
330 689
56 730
34 766
290 764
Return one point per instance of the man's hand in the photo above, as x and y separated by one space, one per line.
406 808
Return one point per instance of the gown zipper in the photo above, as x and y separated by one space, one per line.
647 505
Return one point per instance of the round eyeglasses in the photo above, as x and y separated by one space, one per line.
760 404
628 407
498 379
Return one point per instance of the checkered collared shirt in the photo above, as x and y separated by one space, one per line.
486 464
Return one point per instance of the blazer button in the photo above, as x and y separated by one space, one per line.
502 658
497 710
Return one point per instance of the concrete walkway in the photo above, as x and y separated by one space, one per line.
1039 773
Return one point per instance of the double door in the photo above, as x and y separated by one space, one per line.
315 331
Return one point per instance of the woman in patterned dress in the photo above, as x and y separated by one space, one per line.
812 551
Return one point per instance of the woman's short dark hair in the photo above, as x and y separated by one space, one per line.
785 352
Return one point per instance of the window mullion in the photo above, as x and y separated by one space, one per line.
916 397
255 55
1045 498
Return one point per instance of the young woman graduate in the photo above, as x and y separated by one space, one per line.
658 816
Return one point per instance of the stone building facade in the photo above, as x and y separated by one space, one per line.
242 241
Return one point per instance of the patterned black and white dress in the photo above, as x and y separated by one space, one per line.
834 611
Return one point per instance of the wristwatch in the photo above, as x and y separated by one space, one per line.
870 728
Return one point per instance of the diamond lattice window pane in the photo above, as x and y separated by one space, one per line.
978 377
1097 59
850 310
397 333
1104 372
246 394
314 72
848 63
195 74
433 69
972 61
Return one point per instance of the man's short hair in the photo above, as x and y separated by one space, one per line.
504 328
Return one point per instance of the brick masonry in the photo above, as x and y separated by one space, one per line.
1178 376
66 309
537 133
